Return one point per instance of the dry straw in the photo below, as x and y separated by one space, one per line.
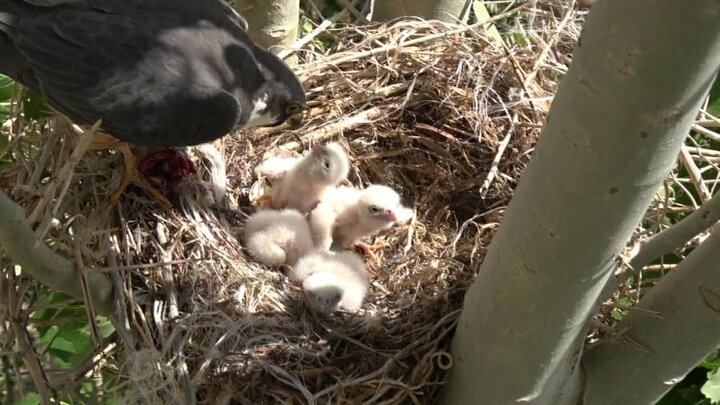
439 112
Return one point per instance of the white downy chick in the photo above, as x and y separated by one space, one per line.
309 178
347 214
275 167
332 280
277 237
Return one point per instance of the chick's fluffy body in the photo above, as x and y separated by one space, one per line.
308 179
332 280
277 237
347 214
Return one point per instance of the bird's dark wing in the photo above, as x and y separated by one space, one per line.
150 77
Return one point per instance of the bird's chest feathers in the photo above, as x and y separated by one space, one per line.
347 228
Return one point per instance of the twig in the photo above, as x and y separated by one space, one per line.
122 325
167 275
65 172
354 11
695 174
674 237
336 128
342 57
706 132
547 47
325 24
300 43
496 160
25 348
89 307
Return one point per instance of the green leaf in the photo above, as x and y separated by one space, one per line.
712 362
711 388
307 26
30 399
34 106
6 88
714 104
482 14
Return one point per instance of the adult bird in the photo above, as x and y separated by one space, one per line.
159 73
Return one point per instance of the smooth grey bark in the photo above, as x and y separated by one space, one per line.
660 350
613 133
450 11
668 240
679 234
18 240
272 24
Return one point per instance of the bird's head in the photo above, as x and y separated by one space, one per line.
282 98
380 206
323 289
329 163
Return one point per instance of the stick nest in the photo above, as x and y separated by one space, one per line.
435 111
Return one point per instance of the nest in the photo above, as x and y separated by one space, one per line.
435 111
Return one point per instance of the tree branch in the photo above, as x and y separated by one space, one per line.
688 299
614 131
38 260
674 237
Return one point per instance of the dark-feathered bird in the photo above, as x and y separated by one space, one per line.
160 73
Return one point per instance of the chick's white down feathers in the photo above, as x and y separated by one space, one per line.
347 214
332 280
275 167
277 237
308 178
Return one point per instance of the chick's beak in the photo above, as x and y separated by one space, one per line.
391 216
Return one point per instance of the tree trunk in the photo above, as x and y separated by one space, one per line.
272 24
613 133
657 351
450 11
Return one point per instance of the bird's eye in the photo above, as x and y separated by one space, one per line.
294 108
374 209
325 164
295 113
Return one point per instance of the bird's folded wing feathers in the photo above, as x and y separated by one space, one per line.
71 52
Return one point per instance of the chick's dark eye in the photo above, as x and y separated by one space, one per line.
325 164
375 210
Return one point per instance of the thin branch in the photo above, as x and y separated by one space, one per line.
667 347
65 173
38 260
674 237
25 348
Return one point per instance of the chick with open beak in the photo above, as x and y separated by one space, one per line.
347 214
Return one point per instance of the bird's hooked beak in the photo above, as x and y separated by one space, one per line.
296 114
390 215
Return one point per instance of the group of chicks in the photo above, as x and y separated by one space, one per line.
310 221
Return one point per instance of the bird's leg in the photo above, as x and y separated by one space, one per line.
132 174
368 249
130 170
